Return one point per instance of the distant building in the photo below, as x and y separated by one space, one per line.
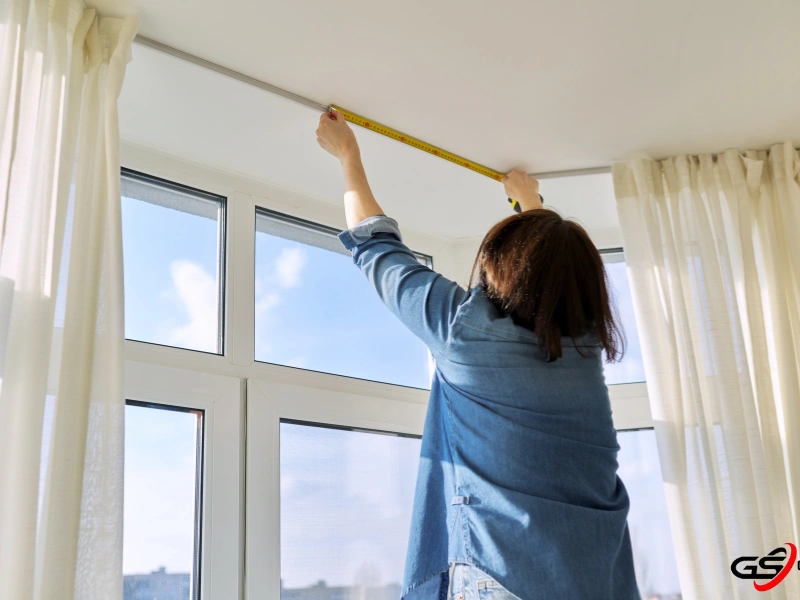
158 585
321 591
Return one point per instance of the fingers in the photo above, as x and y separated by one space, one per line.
339 119
518 175
329 116
332 119
325 123
326 120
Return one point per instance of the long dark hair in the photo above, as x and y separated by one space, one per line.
546 274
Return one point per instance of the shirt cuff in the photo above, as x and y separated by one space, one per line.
367 228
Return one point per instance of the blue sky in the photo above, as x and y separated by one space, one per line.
346 497
170 276
315 310
346 502
631 369
160 460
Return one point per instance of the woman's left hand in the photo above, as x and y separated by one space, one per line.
523 188
335 136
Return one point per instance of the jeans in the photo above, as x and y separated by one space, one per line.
470 583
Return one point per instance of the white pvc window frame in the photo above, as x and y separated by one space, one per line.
221 520
241 543
158 191
629 401
269 403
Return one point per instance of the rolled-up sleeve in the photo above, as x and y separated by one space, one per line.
423 300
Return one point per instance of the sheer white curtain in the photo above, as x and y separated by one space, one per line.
712 245
61 413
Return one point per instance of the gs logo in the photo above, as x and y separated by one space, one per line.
774 567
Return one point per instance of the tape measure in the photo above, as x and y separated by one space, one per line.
424 146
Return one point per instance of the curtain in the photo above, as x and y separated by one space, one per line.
712 246
62 413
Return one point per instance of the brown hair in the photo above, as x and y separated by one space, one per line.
546 274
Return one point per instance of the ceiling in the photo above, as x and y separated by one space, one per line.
182 110
540 85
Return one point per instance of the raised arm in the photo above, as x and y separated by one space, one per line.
335 136
423 300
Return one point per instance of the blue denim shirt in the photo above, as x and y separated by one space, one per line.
518 466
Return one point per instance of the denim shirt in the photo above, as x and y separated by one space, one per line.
518 465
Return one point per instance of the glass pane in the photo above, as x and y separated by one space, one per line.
346 499
163 450
653 552
173 253
631 368
315 310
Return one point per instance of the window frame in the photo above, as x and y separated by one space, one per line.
630 402
268 404
195 578
222 237
651 428
221 516
318 228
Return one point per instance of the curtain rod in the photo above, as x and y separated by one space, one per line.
272 89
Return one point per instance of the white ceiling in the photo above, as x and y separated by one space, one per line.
540 85
182 110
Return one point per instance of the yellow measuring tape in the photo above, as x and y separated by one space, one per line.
420 145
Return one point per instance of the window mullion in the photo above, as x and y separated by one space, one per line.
240 346
630 406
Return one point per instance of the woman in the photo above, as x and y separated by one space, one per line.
517 493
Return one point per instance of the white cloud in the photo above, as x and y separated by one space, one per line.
289 265
196 292
264 302
283 273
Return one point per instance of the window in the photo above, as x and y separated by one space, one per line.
631 368
653 551
315 310
346 499
163 483
173 244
